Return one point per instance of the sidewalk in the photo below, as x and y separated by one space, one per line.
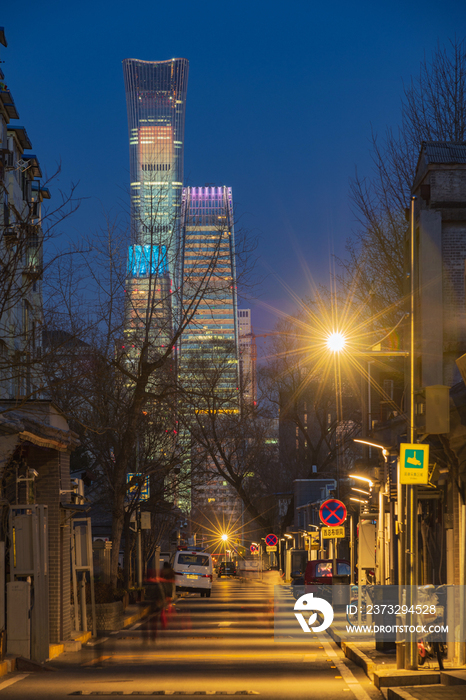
427 683
131 615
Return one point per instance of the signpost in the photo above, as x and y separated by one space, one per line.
329 533
414 463
332 512
253 549
271 540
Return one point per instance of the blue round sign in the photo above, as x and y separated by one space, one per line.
271 540
332 512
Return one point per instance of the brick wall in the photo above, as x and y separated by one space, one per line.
448 184
53 469
108 616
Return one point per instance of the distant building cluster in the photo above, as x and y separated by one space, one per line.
183 240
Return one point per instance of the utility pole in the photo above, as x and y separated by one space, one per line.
411 489
139 545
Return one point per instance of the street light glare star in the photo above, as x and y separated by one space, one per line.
336 342
224 537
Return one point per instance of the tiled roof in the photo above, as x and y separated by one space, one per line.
444 151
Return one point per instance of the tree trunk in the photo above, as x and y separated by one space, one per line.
118 518
127 557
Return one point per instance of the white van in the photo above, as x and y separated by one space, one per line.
193 571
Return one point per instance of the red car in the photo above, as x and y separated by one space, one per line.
320 571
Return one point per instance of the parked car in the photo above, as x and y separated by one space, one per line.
227 568
320 572
193 572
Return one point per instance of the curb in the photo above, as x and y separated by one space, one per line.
129 621
7 666
398 694
359 658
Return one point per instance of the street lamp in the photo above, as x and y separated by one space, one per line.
336 341
365 493
362 478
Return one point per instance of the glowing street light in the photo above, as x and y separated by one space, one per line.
336 342
365 493
362 478
224 537
373 444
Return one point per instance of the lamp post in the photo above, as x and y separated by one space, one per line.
411 489
407 496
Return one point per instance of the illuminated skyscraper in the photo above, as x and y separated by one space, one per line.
208 247
209 344
155 99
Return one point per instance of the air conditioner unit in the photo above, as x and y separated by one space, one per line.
9 160
10 235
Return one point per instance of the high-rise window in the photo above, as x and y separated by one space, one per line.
155 99
210 341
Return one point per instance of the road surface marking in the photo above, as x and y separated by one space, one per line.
175 657
10 681
166 692
96 661
101 640
347 675
137 624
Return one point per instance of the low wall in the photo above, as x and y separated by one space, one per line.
109 616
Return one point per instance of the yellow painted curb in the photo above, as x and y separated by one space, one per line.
83 637
5 667
55 650
138 616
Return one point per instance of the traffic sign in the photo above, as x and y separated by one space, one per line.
414 463
331 532
332 512
271 549
144 488
271 540
253 548
314 541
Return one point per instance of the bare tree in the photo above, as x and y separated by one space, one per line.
131 310
318 408
28 229
433 107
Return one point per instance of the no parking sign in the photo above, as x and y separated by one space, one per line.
332 512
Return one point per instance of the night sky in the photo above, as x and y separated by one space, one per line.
282 98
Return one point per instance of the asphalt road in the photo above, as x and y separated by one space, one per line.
219 645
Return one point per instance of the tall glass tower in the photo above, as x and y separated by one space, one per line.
208 254
155 99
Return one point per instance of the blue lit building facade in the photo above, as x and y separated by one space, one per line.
155 99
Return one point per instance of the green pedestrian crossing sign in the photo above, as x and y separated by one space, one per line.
414 464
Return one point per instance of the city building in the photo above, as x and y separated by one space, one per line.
209 345
35 440
247 357
156 100
209 283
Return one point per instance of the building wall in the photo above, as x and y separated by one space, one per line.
247 359
441 226
21 254
54 475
